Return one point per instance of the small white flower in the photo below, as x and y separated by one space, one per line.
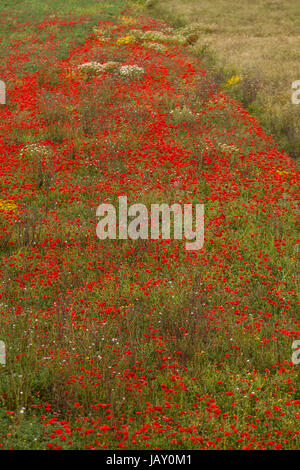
131 71
91 68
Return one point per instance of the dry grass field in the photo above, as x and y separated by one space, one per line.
256 40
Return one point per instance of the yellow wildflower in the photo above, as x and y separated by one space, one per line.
127 20
125 40
233 80
7 206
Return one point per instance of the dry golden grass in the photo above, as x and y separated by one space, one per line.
258 40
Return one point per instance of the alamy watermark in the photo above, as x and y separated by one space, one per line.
186 222
2 353
2 92
296 93
296 353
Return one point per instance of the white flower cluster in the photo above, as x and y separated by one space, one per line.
95 68
131 71
225 147
158 36
32 150
110 66
103 33
91 68
156 46
183 114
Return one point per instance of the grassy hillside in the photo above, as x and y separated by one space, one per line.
72 21
258 41
123 344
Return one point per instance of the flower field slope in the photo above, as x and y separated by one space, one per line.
122 344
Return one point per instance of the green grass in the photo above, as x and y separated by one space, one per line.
33 12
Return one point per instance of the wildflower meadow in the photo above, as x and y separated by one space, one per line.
138 343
